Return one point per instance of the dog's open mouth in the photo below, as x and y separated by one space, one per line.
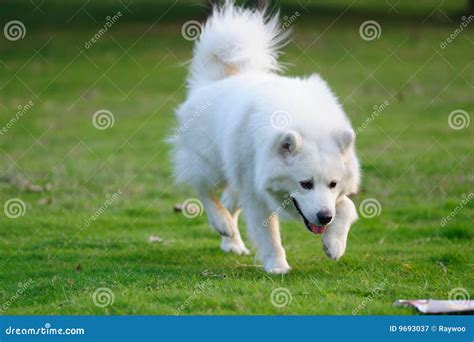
313 228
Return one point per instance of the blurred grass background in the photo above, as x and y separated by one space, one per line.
63 168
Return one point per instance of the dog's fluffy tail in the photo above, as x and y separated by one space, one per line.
235 40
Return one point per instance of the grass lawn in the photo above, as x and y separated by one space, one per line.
54 258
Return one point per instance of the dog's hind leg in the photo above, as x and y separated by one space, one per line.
219 217
234 244
335 237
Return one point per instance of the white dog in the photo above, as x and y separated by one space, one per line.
278 145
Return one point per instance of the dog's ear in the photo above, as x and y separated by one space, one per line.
344 139
289 143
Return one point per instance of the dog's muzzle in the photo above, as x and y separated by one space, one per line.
313 228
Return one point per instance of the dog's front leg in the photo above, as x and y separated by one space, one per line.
264 231
335 238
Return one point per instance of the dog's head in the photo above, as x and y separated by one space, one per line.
313 173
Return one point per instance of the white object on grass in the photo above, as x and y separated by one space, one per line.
432 306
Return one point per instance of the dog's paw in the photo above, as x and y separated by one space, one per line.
232 245
224 230
334 248
223 225
277 266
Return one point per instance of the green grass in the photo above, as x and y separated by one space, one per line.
413 163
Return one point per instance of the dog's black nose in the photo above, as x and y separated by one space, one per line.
324 217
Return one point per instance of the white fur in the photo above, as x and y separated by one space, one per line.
227 137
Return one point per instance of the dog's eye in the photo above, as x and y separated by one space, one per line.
307 184
333 184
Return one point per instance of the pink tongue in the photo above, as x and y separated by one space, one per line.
317 229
